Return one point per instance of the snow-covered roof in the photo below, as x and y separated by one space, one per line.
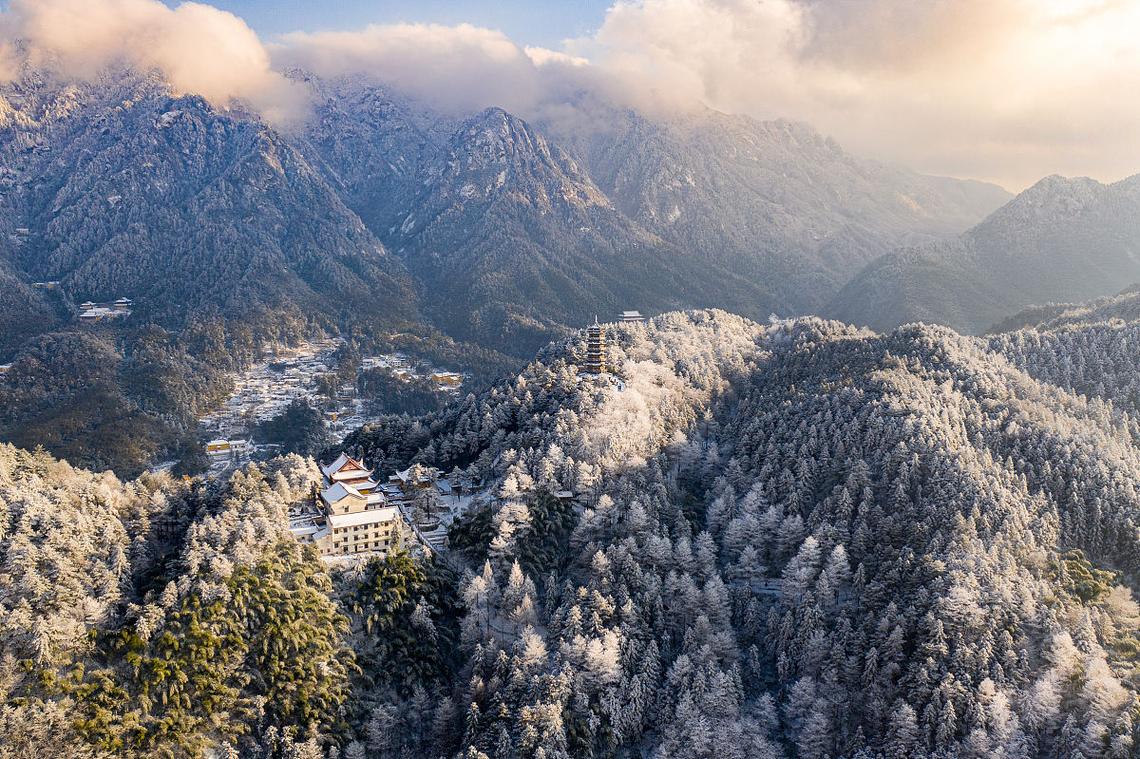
352 475
328 470
339 492
343 461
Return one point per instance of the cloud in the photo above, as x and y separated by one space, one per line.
456 68
197 47
1002 89
541 56
1008 90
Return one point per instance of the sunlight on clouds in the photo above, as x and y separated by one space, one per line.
1007 90
454 67
1000 89
541 56
197 47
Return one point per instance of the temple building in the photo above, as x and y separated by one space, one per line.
596 356
351 514
631 316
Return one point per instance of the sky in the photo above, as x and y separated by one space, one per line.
529 22
1003 90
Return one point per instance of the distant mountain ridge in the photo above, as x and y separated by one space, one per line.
751 216
1060 240
774 198
479 237
505 232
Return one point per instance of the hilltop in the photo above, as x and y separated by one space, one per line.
792 536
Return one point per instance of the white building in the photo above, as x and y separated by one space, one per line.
221 450
351 516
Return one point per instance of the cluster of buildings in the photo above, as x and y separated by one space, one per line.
91 313
403 368
268 387
354 514
226 452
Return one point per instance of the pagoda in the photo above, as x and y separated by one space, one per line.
596 349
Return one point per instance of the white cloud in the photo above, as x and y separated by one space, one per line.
1003 89
457 68
541 56
1008 90
197 47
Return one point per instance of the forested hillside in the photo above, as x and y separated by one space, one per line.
791 540
127 190
1090 349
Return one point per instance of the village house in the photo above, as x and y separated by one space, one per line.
447 380
228 451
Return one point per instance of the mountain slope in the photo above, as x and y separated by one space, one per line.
754 217
512 241
128 191
1060 240
798 539
803 537
776 197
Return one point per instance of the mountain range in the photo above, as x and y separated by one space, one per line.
116 187
1060 240
481 234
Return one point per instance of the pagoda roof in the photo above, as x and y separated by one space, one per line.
354 476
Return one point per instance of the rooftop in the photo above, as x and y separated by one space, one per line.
369 516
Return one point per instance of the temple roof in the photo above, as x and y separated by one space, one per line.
343 461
